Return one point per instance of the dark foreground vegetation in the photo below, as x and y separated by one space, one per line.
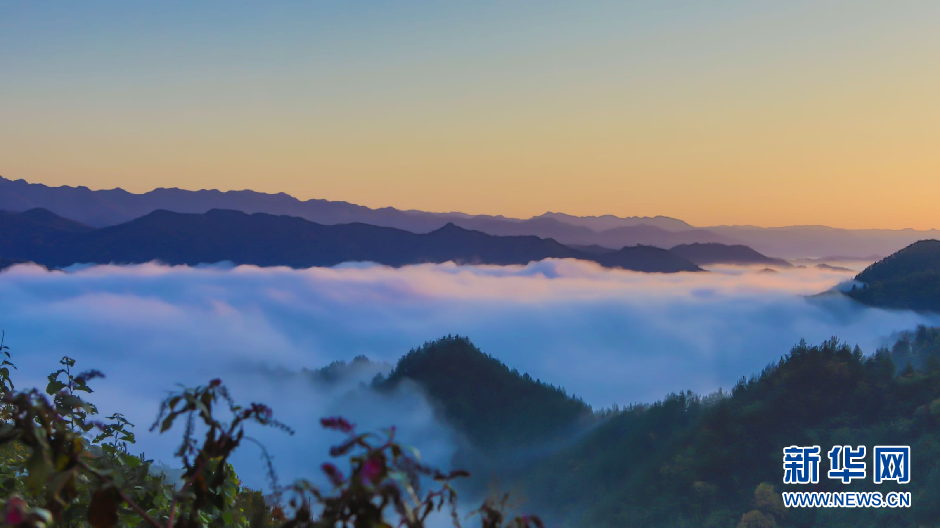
61 464
685 461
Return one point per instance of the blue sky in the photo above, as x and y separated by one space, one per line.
717 112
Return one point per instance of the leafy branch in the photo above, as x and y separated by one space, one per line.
77 471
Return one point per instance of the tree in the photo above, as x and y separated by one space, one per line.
64 466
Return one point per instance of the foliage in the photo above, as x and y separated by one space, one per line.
768 507
495 406
61 466
918 350
700 461
908 279
685 461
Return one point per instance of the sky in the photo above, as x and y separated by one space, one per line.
725 112
607 336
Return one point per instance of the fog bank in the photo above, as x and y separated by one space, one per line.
608 336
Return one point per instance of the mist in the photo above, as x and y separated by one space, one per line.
608 336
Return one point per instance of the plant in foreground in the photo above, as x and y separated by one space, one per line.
59 465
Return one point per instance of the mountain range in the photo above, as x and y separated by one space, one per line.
712 253
101 208
40 236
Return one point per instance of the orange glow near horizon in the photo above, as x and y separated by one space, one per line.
810 113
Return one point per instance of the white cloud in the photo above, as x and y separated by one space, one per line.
608 336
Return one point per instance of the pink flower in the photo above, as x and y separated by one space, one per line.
16 511
372 469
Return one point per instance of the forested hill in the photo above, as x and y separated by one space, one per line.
689 461
494 406
908 279
269 240
919 257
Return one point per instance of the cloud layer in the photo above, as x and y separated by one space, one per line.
608 336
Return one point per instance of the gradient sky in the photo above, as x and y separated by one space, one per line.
768 113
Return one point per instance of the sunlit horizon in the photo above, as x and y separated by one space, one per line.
381 205
726 113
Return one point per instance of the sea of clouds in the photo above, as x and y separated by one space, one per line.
608 336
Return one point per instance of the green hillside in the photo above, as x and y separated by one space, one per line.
494 406
699 462
690 460
908 279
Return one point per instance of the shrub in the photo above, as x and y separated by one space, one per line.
60 464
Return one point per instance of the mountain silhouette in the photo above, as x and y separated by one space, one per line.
704 254
100 208
830 267
813 241
103 208
605 222
270 240
6 263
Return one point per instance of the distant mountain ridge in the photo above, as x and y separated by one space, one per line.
604 222
100 208
268 240
705 254
820 241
